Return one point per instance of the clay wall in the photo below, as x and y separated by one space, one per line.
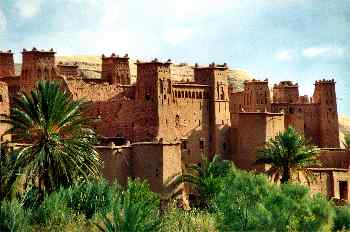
116 162
111 105
286 92
4 109
266 126
7 65
37 65
68 70
156 162
325 96
181 72
184 115
116 69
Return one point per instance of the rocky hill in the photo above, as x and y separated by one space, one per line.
344 126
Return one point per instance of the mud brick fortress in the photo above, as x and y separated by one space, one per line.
152 125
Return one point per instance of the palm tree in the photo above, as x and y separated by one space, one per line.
203 178
347 141
59 147
287 152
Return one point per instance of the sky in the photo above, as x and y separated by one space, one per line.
299 40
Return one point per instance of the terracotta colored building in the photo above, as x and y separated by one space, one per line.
165 120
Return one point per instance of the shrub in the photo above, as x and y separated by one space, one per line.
91 197
176 220
250 202
342 218
136 209
13 217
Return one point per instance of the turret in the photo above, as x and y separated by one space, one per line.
256 96
7 65
37 65
286 92
325 96
116 70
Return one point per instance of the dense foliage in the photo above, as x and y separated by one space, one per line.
203 179
60 147
287 152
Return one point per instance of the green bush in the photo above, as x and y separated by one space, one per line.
136 209
342 218
13 217
176 220
53 211
250 202
91 197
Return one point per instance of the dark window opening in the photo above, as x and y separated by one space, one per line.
343 190
291 110
201 144
148 97
184 145
1 98
224 146
157 172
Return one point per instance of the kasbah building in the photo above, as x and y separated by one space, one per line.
154 119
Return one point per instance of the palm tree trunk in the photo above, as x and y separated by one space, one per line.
285 175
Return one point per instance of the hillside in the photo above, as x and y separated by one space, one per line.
344 126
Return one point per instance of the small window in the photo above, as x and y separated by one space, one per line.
148 97
224 146
201 144
184 144
1 98
157 172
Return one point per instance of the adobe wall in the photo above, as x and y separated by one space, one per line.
7 65
184 116
4 109
37 65
116 162
156 162
264 126
286 92
111 105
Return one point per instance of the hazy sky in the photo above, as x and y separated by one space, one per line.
300 40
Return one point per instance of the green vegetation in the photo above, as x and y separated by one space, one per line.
61 144
346 141
286 153
56 184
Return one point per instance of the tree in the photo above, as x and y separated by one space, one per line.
204 178
286 153
346 141
249 202
59 144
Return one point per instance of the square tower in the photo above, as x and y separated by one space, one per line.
7 65
116 70
37 65
215 76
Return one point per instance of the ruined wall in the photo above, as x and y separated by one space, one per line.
4 109
7 65
68 70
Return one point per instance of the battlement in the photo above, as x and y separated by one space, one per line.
286 84
115 57
256 82
324 81
35 50
155 61
4 53
223 66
